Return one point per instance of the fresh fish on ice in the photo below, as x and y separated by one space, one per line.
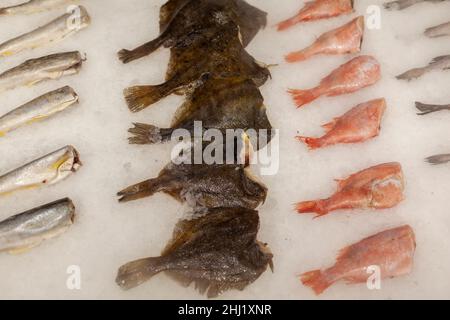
35 6
438 63
38 109
356 74
403 4
430 108
27 230
48 170
34 71
438 159
379 187
53 32
392 251
343 40
360 124
318 9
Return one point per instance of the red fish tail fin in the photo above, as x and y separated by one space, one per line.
312 143
315 206
316 280
303 54
283 25
302 97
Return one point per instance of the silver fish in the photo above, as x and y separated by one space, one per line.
438 159
438 31
27 230
48 170
403 4
37 70
438 63
430 108
53 32
38 109
35 6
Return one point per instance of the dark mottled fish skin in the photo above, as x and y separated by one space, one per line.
223 56
438 63
438 159
217 252
430 108
203 186
180 19
403 4
441 30
219 104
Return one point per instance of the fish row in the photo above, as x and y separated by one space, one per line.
24 231
216 248
438 63
377 187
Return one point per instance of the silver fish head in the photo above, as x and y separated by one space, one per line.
66 96
78 18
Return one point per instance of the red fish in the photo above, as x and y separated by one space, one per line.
343 40
318 9
357 125
392 251
379 187
358 73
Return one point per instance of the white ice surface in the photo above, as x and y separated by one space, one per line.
107 234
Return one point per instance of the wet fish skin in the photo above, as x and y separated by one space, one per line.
216 252
354 75
360 124
343 40
34 71
378 187
438 159
438 31
180 21
27 230
438 63
391 250
430 108
47 170
403 4
317 10
35 6
53 32
38 109
203 186
219 104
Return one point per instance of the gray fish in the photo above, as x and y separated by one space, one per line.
438 63
27 230
38 109
48 170
53 32
438 31
438 159
35 6
430 108
34 71
403 4
217 252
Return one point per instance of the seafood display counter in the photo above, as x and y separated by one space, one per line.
391 189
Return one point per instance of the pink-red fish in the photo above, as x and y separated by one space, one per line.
379 187
318 9
357 125
343 40
392 251
358 73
